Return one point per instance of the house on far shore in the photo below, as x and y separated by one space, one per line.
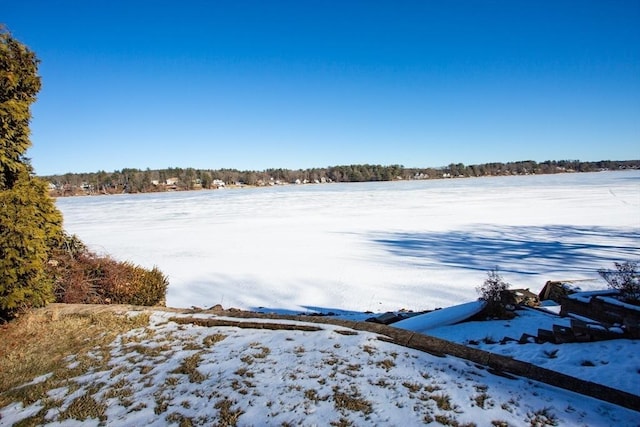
172 183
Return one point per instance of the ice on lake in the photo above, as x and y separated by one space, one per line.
368 246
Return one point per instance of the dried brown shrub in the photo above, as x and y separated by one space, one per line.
81 276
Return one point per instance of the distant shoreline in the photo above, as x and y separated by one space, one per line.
134 181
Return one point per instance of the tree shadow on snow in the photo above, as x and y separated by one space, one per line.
516 249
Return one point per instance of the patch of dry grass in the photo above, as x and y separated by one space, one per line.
227 416
122 391
41 342
482 399
179 419
542 417
84 407
413 387
369 349
264 351
351 401
443 401
342 422
386 364
210 340
189 367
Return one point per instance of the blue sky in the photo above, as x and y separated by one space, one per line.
298 84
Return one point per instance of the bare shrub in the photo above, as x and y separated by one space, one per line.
491 292
80 276
625 278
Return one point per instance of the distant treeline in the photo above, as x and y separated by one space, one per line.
142 181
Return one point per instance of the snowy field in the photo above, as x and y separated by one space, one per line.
371 246
170 374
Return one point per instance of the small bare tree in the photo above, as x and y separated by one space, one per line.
491 292
625 279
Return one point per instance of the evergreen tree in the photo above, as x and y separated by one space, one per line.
30 225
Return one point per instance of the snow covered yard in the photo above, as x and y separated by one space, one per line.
178 373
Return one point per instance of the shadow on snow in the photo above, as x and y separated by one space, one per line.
516 249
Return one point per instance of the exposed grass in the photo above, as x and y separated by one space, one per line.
332 360
264 351
145 369
342 422
189 367
482 399
192 346
210 340
353 367
381 382
151 351
120 390
386 364
352 401
542 417
84 407
313 396
40 343
413 387
32 421
369 349
45 352
227 416
446 420
244 372
162 403
443 401
179 419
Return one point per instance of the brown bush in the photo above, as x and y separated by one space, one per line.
626 279
131 284
81 276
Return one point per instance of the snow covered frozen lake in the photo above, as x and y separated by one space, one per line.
368 246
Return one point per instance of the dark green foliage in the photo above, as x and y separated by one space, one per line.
625 278
19 84
38 262
30 225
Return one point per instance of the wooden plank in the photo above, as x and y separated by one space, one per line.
545 335
527 338
563 334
